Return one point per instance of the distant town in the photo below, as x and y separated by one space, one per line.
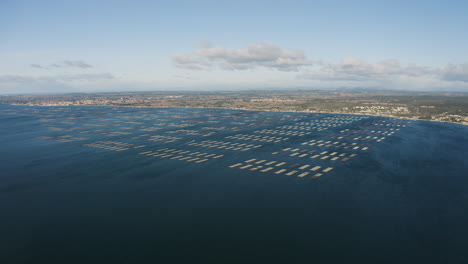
435 106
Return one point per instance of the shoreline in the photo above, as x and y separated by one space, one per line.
284 111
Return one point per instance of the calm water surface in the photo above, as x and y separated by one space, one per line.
402 199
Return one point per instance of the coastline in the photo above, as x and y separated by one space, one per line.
283 111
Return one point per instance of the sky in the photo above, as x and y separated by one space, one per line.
87 46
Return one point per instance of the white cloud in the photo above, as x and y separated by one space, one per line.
64 78
76 64
34 65
254 56
353 69
64 64
268 56
455 72
187 62
11 84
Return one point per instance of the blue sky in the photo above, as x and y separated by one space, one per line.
69 46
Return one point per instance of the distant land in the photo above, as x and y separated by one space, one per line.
432 106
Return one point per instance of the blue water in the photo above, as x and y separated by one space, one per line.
404 199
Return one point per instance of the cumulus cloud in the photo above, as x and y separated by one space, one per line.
270 56
353 69
254 56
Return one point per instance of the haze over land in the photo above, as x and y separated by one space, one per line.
96 46
436 106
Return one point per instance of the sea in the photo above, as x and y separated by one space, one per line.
102 184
